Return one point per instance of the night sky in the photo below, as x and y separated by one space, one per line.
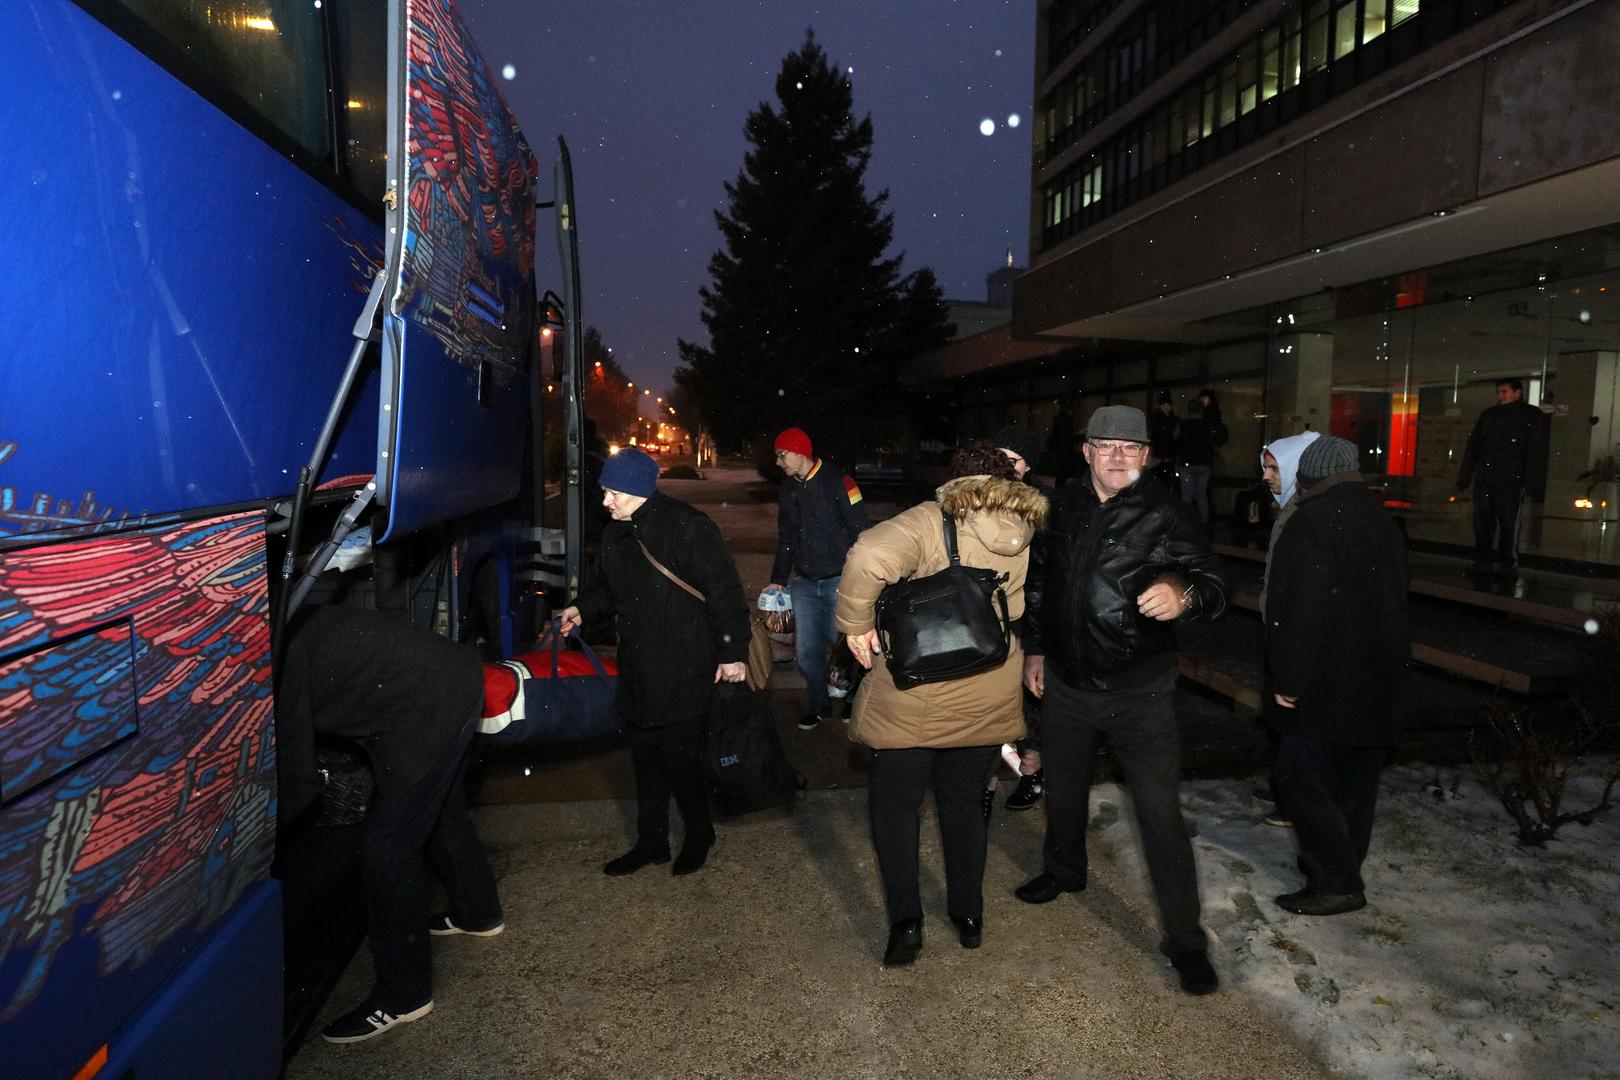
651 96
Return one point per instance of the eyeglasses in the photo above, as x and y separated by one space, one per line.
1124 449
780 454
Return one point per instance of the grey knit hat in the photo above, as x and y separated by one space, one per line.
1328 455
1118 422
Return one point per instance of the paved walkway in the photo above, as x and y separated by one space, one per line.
766 963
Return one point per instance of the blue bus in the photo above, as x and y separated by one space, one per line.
249 241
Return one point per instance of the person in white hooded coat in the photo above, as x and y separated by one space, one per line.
1279 466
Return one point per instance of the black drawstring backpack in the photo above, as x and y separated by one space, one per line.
946 625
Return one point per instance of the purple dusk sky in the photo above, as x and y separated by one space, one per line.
652 96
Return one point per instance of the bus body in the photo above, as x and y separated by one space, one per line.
199 201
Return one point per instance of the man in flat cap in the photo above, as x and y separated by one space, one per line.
1337 647
1121 560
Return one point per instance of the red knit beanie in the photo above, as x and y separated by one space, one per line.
794 441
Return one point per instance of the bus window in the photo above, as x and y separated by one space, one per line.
361 32
271 54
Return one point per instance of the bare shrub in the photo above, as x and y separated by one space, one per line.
1528 758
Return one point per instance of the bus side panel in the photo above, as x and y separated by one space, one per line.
463 315
180 297
194 1030
137 774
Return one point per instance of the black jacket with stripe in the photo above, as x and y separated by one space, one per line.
817 521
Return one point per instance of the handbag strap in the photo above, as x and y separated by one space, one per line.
950 538
556 636
667 572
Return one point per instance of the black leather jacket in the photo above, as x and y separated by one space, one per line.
1094 560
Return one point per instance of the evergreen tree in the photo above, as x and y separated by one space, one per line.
808 317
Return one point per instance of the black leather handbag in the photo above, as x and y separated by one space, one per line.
944 626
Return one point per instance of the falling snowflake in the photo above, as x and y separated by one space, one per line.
987 126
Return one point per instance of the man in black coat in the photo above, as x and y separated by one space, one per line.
1337 645
410 699
1120 561
677 638
1505 459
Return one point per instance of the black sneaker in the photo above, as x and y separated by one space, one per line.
443 925
809 721
368 1020
1028 792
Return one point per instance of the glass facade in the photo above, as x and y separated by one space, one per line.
1313 53
1401 366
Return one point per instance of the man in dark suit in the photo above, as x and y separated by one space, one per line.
1505 460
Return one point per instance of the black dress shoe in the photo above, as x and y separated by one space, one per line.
1028 792
970 930
634 860
1043 888
694 852
905 942
1197 973
1311 902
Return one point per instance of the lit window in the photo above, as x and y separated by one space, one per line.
1403 10
1372 20
1344 30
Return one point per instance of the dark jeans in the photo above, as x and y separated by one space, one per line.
669 760
814 634
431 816
1141 727
894 793
1496 510
1330 793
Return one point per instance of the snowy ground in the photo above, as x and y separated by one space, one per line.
1475 958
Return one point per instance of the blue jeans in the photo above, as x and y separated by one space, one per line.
814 633
1195 489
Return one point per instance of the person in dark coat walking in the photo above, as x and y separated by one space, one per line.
673 649
1505 460
1121 560
411 700
1164 433
1337 646
1198 438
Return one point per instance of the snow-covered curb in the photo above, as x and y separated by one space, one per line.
1475 958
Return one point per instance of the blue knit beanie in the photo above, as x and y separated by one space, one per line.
632 472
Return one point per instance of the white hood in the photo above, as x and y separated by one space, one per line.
1288 452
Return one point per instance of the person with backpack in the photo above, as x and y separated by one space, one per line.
942 735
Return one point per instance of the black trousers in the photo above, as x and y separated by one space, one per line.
1141 727
669 760
431 816
1496 517
894 792
1331 793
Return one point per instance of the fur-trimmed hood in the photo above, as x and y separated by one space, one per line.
1003 514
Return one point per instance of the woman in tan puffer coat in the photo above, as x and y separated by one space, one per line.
942 735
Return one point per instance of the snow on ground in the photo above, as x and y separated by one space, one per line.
1475 958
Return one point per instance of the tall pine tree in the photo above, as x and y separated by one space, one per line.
809 319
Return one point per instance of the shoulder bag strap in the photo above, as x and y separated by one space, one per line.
950 538
667 572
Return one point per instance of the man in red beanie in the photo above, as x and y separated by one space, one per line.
817 520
